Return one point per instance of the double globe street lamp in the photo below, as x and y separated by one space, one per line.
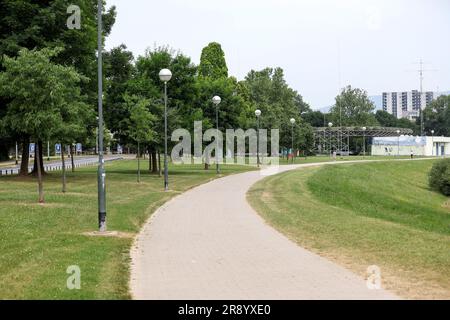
165 75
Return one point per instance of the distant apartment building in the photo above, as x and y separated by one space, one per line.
406 104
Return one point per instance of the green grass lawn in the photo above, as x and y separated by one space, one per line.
39 242
366 214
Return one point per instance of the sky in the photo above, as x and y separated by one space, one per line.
322 45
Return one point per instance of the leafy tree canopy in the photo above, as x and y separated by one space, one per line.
437 116
42 94
353 108
212 62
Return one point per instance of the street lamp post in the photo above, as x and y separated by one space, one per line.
216 101
292 137
432 143
17 152
101 162
258 115
330 125
165 75
364 141
398 143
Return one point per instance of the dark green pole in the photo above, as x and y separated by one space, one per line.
166 165
101 161
217 139
292 136
257 141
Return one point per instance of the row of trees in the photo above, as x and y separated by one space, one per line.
189 95
354 108
48 87
41 25
48 90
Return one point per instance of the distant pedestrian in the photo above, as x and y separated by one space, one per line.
412 154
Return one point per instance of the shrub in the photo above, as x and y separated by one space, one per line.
439 177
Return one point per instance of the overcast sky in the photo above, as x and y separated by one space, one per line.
322 45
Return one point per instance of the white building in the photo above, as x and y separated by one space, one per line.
405 145
406 104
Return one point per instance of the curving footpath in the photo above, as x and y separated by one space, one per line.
208 243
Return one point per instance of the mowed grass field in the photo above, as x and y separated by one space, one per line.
364 214
39 242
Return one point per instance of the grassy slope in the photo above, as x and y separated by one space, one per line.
38 243
367 214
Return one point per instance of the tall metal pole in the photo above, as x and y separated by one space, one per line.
139 163
17 153
364 144
257 141
101 161
432 143
166 169
217 140
421 90
292 142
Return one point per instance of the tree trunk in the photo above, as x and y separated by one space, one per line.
39 172
37 154
159 164
63 162
149 160
71 157
154 161
24 162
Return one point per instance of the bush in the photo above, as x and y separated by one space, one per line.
439 178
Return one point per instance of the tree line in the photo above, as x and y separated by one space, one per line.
48 90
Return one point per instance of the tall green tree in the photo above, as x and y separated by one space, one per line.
42 24
212 62
140 126
437 117
40 92
182 92
353 108
268 91
119 72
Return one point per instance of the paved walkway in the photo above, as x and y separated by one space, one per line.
208 243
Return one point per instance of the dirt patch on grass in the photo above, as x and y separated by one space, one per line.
109 234
34 204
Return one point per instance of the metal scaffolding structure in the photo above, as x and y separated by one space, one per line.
337 139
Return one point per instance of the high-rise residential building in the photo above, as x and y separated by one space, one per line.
406 104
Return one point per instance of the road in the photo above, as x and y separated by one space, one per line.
208 243
57 165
